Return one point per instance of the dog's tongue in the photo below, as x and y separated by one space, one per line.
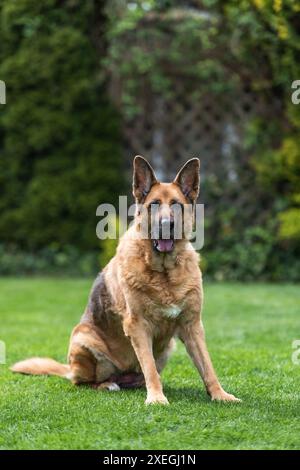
165 246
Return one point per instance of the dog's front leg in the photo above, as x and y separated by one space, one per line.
141 341
192 334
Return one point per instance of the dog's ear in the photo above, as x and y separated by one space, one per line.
143 178
188 178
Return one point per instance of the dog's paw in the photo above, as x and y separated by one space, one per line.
221 395
156 400
110 386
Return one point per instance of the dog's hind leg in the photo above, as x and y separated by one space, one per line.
82 365
88 364
86 369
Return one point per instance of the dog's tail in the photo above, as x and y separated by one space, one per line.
41 366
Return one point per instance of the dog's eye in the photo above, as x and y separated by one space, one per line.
177 206
155 202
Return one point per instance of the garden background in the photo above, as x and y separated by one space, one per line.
63 131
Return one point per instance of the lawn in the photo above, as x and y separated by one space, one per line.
249 328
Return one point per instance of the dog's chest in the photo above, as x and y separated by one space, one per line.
168 309
171 311
167 300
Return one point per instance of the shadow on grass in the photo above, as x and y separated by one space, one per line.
189 394
174 394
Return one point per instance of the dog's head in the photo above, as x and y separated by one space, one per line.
166 208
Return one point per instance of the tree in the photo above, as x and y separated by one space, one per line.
59 135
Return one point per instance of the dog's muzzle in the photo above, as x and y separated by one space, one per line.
165 243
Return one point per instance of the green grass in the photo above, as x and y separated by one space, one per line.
250 329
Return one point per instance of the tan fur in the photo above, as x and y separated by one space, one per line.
140 301
38 366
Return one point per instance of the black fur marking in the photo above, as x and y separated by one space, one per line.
95 311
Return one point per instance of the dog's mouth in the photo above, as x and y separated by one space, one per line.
164 246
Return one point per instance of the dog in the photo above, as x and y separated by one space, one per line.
149 293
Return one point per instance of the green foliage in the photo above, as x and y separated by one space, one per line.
59 136
290 224
252 222
49 260
242 258
151 48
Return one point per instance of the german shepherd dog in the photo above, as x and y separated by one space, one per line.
148 293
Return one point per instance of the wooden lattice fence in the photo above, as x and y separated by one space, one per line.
191 121
212 128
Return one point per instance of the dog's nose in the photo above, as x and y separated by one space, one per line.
167 222
167 226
